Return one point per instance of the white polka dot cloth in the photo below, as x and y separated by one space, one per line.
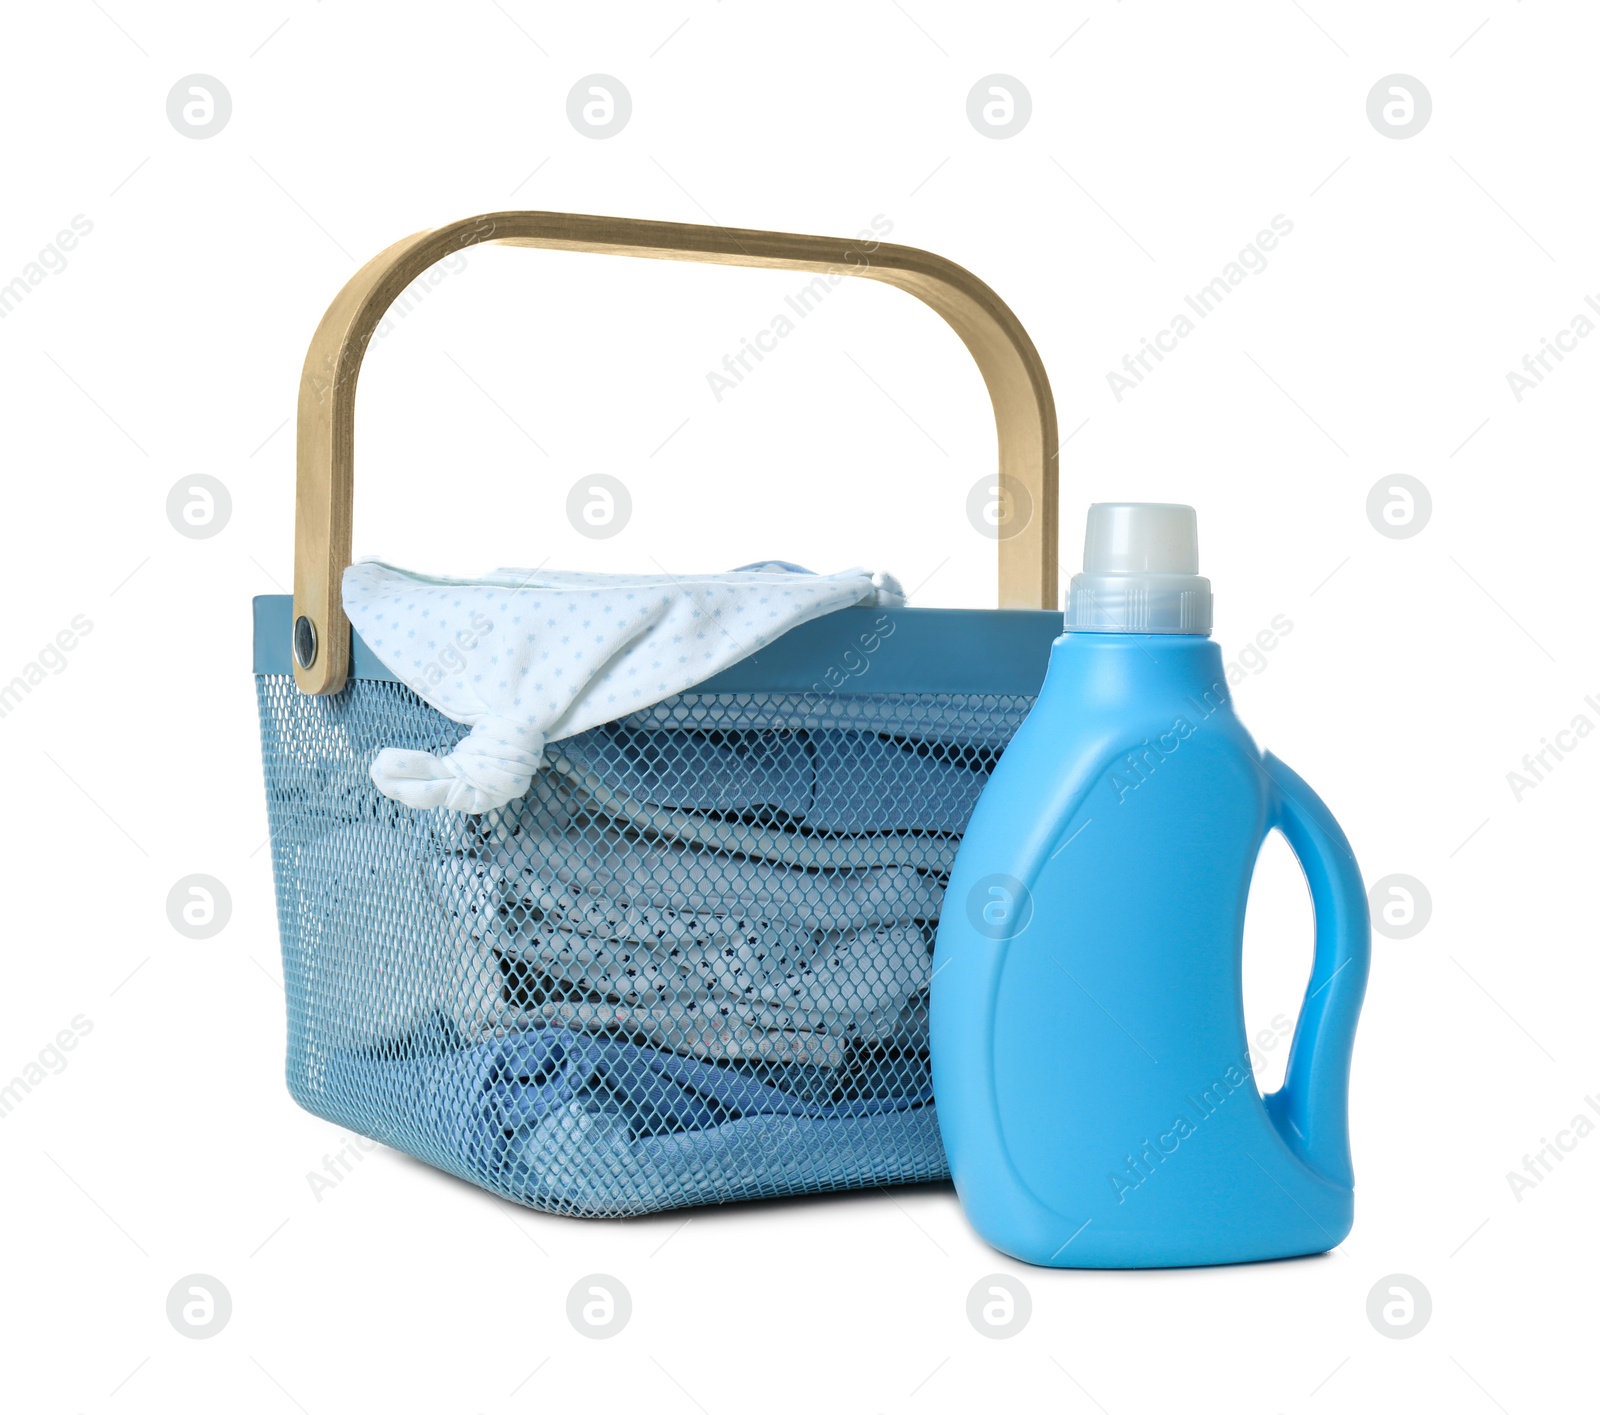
526 657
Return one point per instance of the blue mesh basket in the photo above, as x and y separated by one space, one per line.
691 964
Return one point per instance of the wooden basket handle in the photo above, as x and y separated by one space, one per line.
1024 411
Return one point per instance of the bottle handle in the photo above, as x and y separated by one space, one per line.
1311 1109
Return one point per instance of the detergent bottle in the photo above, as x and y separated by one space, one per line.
1091 1070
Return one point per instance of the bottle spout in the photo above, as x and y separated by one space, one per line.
1141 572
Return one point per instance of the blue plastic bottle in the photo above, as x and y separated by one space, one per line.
1090 1064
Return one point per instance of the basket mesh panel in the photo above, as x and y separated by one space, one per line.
691 965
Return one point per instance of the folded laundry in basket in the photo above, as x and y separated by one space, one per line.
606 1126
537 1073
667 873
825 780
526 657
708 954
742 994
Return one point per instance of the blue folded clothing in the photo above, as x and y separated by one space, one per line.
824 780
602 1126
935 785
700 771
688 966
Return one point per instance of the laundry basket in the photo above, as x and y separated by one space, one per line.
691 964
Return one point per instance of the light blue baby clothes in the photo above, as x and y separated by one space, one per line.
527 657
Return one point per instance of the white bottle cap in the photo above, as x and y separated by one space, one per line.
1141 563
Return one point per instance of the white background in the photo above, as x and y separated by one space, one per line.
1418 672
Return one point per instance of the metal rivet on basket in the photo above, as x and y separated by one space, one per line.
305 642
